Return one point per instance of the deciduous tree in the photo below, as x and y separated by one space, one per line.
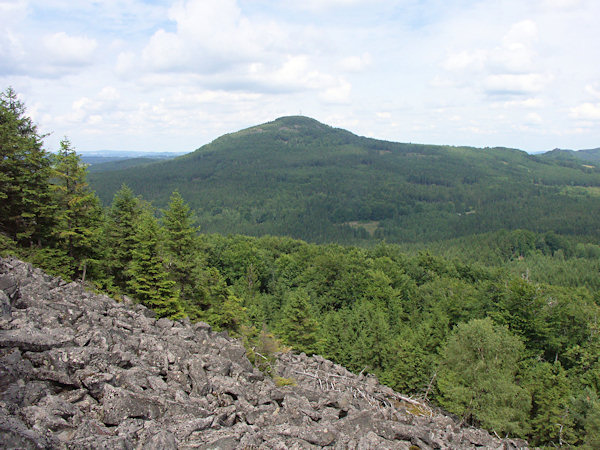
476 377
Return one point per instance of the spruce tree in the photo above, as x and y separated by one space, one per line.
26 209
149 282
79 213
180 245
298 328
120 229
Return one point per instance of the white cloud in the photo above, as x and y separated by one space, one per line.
172 64
356 63
210 35
12 11
517 53
91 110
593 90
164 52
323 5
339 93
466 60
126 63
515 84
533 119
563 4
586 111
68 50
528 103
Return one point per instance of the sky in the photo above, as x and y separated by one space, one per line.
163 75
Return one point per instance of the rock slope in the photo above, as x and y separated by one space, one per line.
81 371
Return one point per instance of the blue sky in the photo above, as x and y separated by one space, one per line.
160 75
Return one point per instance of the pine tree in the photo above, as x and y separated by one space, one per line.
26 209
149 282
79 213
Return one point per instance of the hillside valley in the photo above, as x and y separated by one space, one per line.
500 328
298 177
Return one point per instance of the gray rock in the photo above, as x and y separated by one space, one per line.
5 306
119 404
35 340
15 434
9 285
163 440
81 371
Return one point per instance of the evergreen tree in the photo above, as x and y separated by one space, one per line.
551 419
79 213
149 282
26 209
120 231
180 245
298 327
179 227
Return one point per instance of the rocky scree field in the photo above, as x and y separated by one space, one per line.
79 370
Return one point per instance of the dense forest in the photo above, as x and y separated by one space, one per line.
300 178
500 328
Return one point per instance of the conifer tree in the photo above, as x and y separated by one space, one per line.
551 393
180 245
79 213
297 327
149 282
120 231
26 209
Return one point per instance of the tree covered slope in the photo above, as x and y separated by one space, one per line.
580 156
298 177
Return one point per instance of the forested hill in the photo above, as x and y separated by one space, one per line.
500 329
296 176
591 155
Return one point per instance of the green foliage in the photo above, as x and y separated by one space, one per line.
78 215
120 229
586 414
500 327
411 365
180 246
54 261
261 347
298 177
297 326
227 314
26 209
477 377
280 381
148 281
551 421
179 230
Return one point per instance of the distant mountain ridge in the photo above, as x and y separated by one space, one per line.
129 154
296 176
591 155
